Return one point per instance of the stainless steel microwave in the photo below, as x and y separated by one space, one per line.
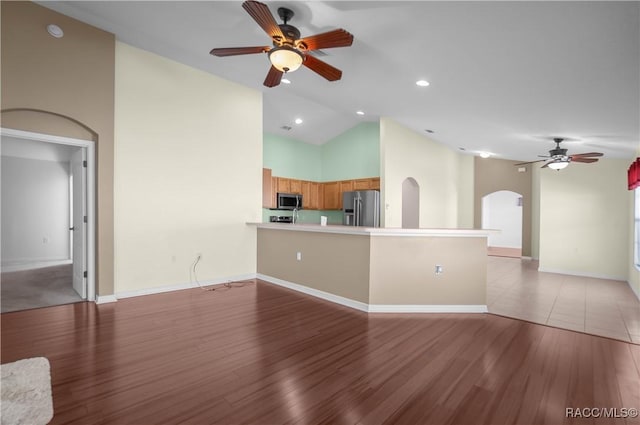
289 201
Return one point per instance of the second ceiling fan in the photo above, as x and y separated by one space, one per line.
289 51
558 158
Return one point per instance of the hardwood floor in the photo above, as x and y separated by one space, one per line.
263 354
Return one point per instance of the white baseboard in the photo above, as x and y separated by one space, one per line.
316 293
357 305
374 308
427 308
104 299
181 286
581 274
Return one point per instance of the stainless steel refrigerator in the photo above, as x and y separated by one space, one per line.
361 208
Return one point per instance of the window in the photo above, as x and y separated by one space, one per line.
637 228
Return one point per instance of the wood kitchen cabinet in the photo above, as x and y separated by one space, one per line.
315 195
295 186
268 189
310 193
332 196
283 185
320 194
372 183
345 186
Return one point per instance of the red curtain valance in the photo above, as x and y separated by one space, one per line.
634 174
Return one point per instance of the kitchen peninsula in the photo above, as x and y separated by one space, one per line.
378 269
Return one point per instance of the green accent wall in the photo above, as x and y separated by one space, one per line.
353 154
292 158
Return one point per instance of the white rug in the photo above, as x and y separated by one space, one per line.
26 392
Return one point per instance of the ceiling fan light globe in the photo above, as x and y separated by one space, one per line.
558 165
285 59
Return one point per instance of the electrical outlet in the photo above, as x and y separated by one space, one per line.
439 269
299 256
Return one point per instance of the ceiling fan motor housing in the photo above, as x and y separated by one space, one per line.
557 152
290 32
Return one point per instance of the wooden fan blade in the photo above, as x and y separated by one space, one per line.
547 164
586 154
322 68
530 162
580 159
233 51
326 40
273 77
261 14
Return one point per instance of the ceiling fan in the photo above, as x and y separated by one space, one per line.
558 158
289 51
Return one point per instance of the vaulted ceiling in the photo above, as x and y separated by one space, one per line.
505 77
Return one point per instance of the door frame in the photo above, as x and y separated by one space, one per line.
90 207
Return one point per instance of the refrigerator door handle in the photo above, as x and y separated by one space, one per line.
355 211
359 214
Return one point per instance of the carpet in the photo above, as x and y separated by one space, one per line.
36 288
26 392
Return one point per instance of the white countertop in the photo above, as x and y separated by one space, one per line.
375 231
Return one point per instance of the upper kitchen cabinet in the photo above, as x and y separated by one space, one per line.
295 186
283 185
268 192
311 197
372 183
331 196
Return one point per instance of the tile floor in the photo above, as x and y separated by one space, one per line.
609 308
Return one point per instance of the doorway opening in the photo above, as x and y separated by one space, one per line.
410 204
48 236
502 210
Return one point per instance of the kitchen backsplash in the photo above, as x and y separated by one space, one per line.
305 216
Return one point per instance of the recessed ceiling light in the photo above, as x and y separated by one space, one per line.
55 31
298 121
284 80
360 112
485 154
422 83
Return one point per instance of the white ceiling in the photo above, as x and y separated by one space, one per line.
505 76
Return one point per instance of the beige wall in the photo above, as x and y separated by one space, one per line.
584 219
403 271
188 172
63 87
465 187
491 175
440 172
333 263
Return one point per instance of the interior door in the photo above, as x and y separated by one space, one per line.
79 228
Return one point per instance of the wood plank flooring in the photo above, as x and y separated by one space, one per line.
261 354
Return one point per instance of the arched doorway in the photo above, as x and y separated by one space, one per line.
502 210
410 204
